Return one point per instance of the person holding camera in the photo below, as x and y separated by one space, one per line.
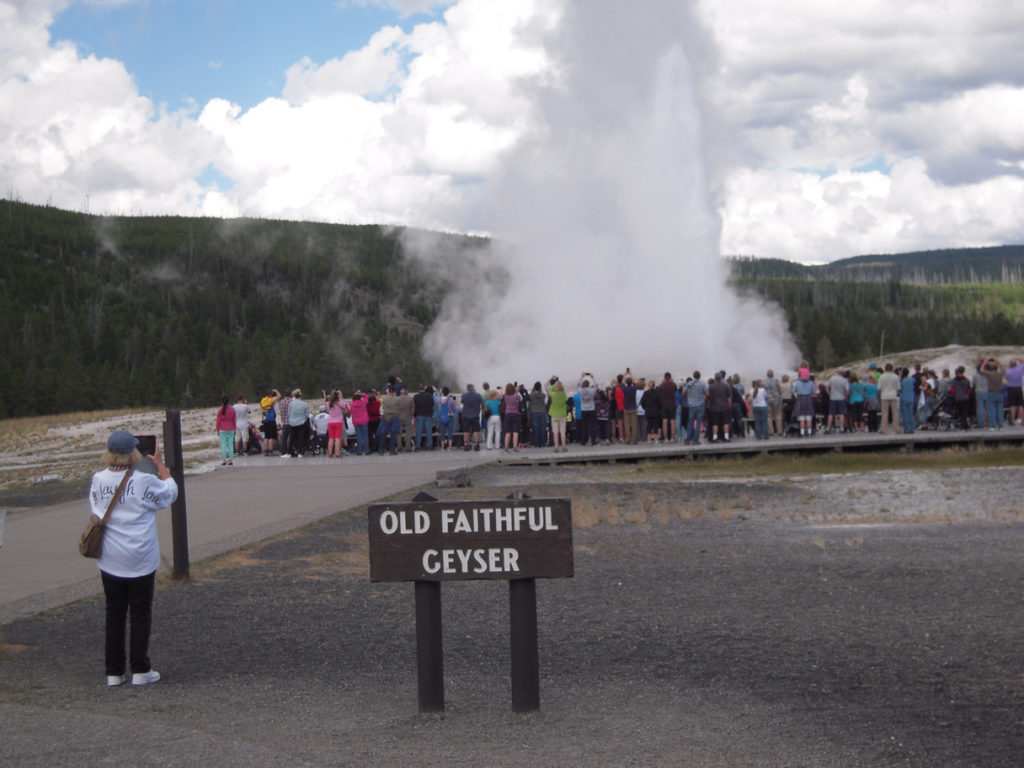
588 408
131 552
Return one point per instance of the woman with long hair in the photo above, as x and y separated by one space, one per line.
336 413
227 420
512 402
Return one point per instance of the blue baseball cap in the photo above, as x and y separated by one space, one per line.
122 442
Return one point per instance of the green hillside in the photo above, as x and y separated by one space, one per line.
855 308
104 312
119 311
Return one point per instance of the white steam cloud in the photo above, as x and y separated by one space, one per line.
604 221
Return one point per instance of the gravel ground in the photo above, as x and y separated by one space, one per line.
868 620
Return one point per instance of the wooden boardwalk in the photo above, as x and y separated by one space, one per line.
749 446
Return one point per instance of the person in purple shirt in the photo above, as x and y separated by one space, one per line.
1015 390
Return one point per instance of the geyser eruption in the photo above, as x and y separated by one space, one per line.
605 234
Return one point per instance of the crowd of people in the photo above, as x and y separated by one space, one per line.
627 409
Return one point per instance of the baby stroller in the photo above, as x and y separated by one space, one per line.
942 416
254 445
313 442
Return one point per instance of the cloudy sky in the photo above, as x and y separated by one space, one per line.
829 128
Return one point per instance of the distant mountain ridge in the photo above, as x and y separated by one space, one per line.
995 264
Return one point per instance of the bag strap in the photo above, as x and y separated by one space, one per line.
117 493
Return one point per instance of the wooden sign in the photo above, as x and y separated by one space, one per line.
450 541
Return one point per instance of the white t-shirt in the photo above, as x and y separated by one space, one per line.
241 417
130 544
320 422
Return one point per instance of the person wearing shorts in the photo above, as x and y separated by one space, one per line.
269 419
512 420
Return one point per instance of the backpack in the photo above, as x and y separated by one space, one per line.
445 412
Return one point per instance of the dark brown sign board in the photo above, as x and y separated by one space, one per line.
459 540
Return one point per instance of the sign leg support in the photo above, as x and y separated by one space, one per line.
522 595
179 516
429 654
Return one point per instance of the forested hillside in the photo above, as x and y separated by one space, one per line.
858 308
101 312
115 311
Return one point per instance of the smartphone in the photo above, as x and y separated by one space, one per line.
147 444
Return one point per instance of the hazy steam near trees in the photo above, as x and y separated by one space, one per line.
606 237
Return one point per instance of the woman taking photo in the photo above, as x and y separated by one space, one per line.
131 552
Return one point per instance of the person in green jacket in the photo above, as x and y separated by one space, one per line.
557 412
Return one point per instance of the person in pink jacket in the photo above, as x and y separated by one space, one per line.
360 420
227 419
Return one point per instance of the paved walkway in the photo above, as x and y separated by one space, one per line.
262 496
40 567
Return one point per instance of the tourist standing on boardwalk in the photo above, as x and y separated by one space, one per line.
803 389
696 397
992 370
558 412
907 418
980 387
336 413
390 425
472 402
131 552
888 396
630 419
361 423
492 410
1015 391
538 406
512 405
667 394
298 422
719 407
269 412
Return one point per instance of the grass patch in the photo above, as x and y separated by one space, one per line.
778 464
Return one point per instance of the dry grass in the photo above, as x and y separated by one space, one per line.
9 651
781 465
30 427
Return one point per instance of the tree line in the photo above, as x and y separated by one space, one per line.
107 312
104 312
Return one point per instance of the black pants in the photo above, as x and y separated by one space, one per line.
128 597
298 437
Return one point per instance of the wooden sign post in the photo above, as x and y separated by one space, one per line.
428 541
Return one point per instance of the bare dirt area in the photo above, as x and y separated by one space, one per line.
833 620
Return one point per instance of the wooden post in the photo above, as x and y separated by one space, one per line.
179 519
522 602
522 595
429 650
429 639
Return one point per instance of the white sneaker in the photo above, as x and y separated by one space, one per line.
145 678
115 680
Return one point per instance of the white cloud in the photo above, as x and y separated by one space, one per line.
797 97
810 89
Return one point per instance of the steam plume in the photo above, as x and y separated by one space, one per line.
604 220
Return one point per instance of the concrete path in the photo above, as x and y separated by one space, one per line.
259 497
40 567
